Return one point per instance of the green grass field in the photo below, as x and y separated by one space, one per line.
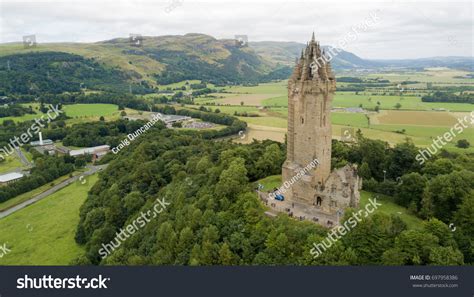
351 99
90 110
25 196
11 162
391 208
264 88
43 233
415 119
78 113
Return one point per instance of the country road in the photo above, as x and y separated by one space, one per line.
92 170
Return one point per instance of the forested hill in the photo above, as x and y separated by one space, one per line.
117 63
215 218
57 72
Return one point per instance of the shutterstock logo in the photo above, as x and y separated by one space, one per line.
49 282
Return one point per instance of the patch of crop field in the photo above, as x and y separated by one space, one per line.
89 110
424 135
443 105
421 135
247 99
275 129
389 136
261 133
350 99
214 98
419 118
276 122
43 233
434 75
278 88
232 109
465 116
349 119
283 111
92 113
276 101
78 112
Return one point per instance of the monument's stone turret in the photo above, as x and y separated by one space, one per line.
311 89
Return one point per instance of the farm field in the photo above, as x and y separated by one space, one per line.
78 112
90 110
351 99
391 126
420 121
36 237
438 75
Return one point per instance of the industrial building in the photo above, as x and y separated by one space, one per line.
9 178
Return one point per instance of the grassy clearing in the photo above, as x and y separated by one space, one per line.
391 208
28 195
43 233
11 162
388 206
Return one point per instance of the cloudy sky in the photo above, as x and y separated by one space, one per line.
372 29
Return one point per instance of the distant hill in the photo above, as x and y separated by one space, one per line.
464 63
119 65
162 60
285 53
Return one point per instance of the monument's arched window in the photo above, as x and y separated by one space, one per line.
319 200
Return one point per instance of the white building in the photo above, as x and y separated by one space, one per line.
95 151
8 178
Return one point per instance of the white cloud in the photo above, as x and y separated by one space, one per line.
405 29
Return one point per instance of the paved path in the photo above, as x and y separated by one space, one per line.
23 159
92 170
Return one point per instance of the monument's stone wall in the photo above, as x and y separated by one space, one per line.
310 93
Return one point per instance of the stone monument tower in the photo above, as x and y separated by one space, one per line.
311 89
